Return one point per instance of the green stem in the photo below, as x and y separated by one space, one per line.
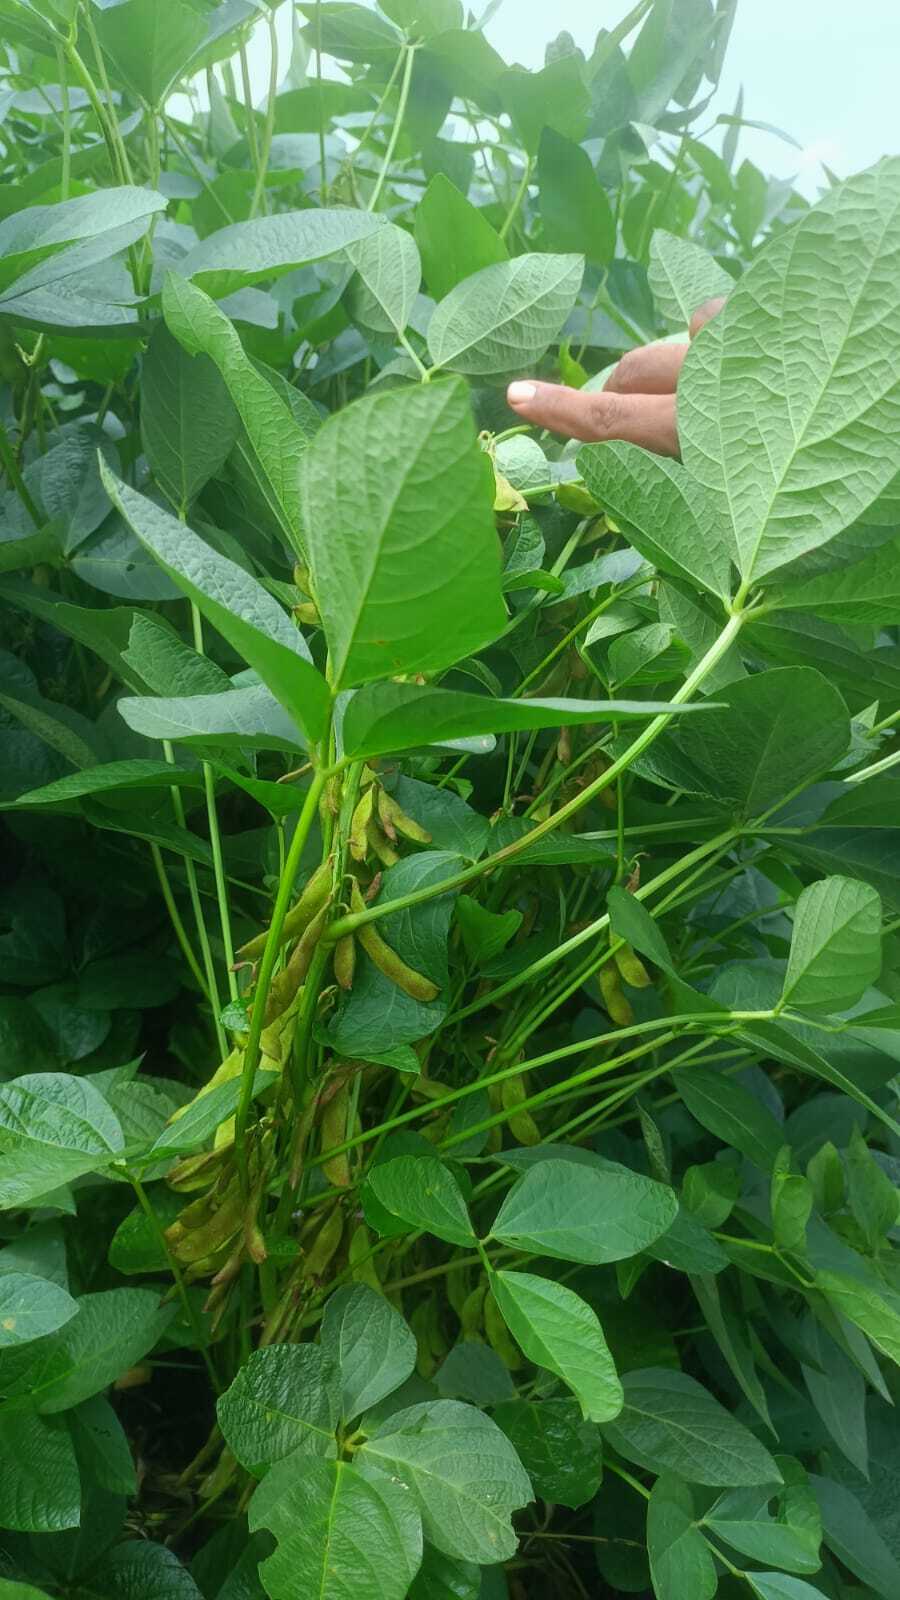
323 186
424 372
115 131
199 919
410 51
888 722
267 963
250 113
500 858
508 221
373 120
66 123
11 468
192 161
269 129
434 1107
190 1308
175 918
215 838
875 769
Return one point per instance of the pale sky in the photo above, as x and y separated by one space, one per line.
824 70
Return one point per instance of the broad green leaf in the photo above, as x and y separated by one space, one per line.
682 277
370 1344
557 1330
191 1128
674 36
113 561
668 517
503 318
336 1530
20 1591
188 423
142 1570
462 1473
40 1491
165 664
454 237
771 734
32 237
102 1446
53 1128
40 1251
725 1322
67 732
562 1454
423 1192
147 45
284 1399
681 1564
866 591
732 1113
112 1330
66 481
400 587
485 933
588 1214
388 717
873 1198
442 1577
631 921
772 418
556 99
390 276
422 17
242 610
743 1518
776 1586
575 211
836 945
850 1533
268 247
135 1246
31 1307
837 1390
670 1423
111 777
473 1371
871 1305
350 32
240 719
277 442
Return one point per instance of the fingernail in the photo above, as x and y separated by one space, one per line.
521 393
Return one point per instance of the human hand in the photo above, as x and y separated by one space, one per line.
637 403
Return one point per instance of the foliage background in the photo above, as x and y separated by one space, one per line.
672 1017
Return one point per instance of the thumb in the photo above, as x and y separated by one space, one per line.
705 314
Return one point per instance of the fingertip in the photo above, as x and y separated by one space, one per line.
705 314
521 393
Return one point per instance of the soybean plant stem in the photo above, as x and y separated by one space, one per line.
410 50
190 872
269 129
11 467
215 838
66 124
267 964
323 185
190 1309
514 209
175 918
500 858
249 112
